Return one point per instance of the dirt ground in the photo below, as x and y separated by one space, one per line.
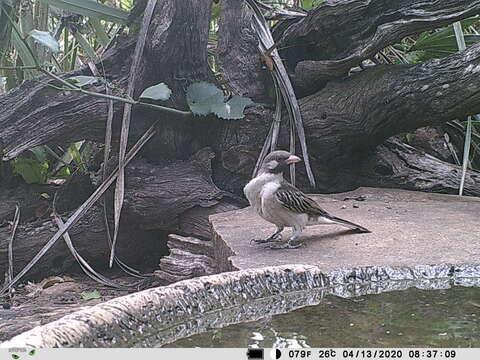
38 303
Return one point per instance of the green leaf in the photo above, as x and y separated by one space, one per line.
202 96
40 153
90 295
442 43
63 173
91 9
23 51
82 80
100 32
85 45
233 109
126 4
32 171
74 152
44 38
157 92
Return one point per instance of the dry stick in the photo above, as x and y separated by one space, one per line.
292 150
108 144
270 143
265 150
72 87
84 207
127 112
16 220
277 117
87 269
285 85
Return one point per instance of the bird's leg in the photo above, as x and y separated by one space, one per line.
273 237
292 242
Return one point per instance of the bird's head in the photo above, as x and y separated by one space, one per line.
278 161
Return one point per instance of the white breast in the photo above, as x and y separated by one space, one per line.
260 192
263 184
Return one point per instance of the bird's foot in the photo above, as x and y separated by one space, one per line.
272 238
286 245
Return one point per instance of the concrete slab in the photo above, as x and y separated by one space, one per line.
408 229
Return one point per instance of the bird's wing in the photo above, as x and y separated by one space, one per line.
296 201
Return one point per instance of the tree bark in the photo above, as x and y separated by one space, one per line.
396 164
89 238
188 258
159 200
328 42
159 197
241 67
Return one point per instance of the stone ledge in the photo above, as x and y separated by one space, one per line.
408 229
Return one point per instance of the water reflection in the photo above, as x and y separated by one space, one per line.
439 318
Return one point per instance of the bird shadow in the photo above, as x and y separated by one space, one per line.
332 235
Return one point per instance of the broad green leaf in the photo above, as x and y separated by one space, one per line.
40 153
202 96
44 38
32 171
91 8
82 80
90 295
233 109
157 92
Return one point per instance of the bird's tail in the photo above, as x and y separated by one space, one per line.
349 224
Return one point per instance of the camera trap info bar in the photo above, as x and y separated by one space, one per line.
242 353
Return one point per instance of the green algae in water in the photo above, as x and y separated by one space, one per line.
413 317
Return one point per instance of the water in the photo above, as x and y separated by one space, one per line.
413 317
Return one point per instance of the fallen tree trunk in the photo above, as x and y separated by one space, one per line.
388 99
156 196
159 199
88 237
327 43
396 164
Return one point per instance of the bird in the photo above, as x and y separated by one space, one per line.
282 204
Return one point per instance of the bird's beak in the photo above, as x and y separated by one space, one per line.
293 159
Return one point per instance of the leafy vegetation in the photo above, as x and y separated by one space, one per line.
72 47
